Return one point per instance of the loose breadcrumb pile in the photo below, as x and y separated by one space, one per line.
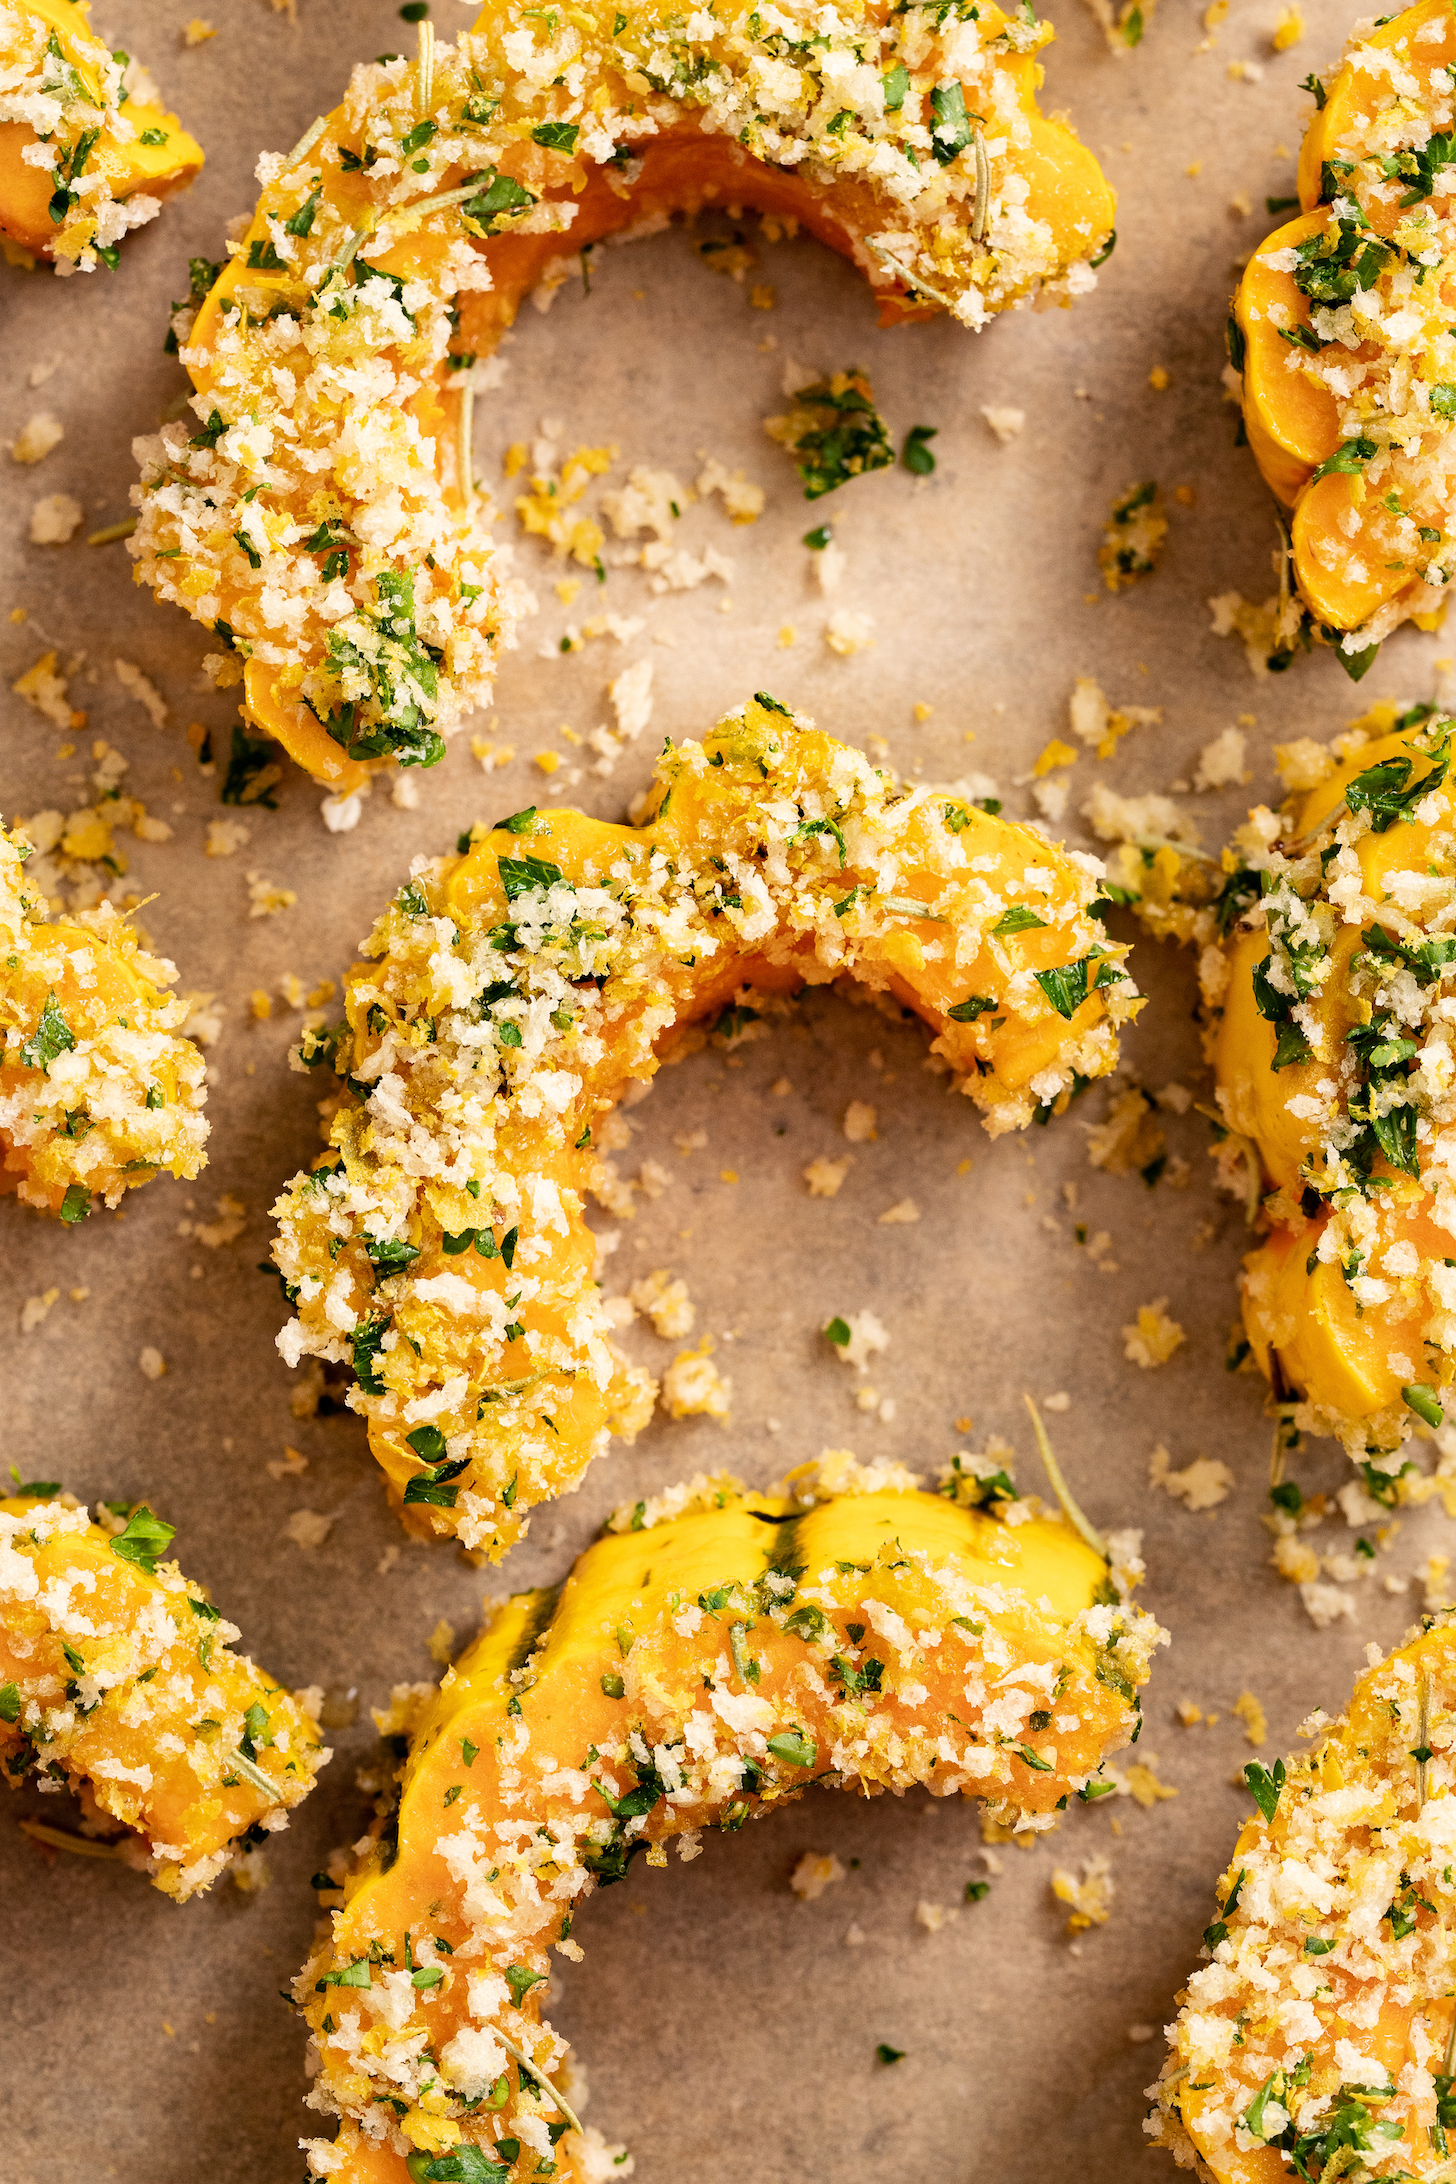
1322 2025
318 511
518 987
98 1089
85 111
862 1634
117 1677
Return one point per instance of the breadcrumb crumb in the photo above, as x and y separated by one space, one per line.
1153 1336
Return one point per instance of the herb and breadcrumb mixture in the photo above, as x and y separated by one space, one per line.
711 1656
1319 2039
318 511
515 990
1343 341
87 150
1333 1025
117 1676
98 1089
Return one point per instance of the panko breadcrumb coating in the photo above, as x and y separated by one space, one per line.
1334 1013
319 513
118 1675
98 1089
715 1653
518 987
87 151
1343 334
1319 2041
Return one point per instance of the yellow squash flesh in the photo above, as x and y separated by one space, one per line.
120 1675
1322 2027
1348 349
396 244
704 1663
98 1089
1348 1304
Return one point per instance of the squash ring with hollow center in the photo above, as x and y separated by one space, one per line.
319 511
520 986
1344 337
714 1654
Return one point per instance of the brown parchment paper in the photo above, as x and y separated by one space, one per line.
729 2030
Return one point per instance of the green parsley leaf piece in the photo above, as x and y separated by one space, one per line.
144 1539
915 454
1265 1787
794 1748
52 1036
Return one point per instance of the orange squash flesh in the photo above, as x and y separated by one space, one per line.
758 872
1330 1940
120 1675
67 54
1345 1304
698 1670
98 1089
296 478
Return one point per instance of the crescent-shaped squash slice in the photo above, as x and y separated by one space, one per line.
319 511
1334 1062
1352 423
120 1677
517 988
1317 2041
98 1089
712 1656
92 158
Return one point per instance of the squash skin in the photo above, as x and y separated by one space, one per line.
527 1722
1359 1803
130 166
1357 567
766 798
161 1659
210 541
1343 1305
83 1122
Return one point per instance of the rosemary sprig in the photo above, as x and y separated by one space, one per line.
306 142
911 280
425 69
255 1775
526 2064
1079 1523
79 1846
981 217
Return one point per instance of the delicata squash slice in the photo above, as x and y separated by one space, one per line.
1343 331
517 988
715 1653
118 1676
87 151
1335 1019
319 513
1320 2040
98 1089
